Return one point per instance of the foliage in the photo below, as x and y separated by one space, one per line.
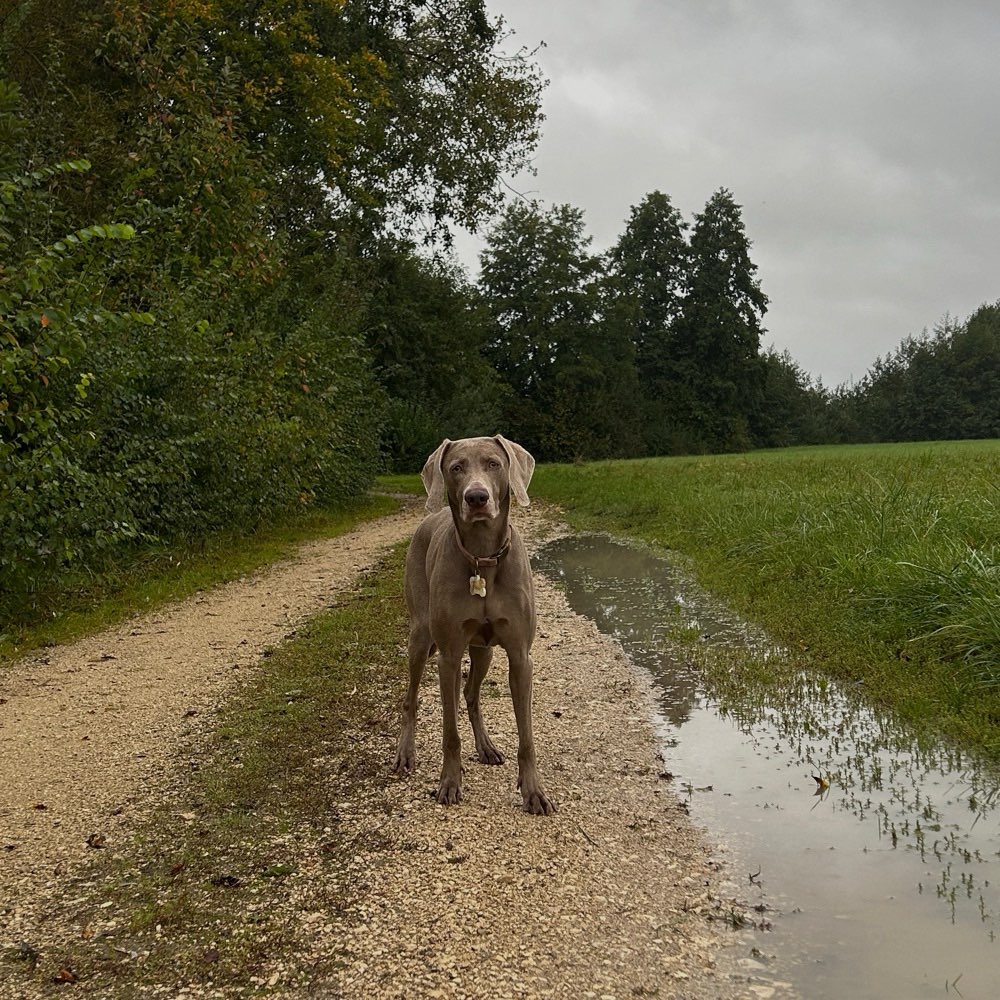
426 334
717 356
944 386
648 273
557 341
405 110
53 508
212 363
792 408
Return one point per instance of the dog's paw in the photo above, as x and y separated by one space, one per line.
406 761
538 803
449 792
487 753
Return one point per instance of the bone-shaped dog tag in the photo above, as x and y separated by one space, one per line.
477 586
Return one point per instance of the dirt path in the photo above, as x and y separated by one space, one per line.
88 730
609 898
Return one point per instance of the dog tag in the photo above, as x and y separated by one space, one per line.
477 586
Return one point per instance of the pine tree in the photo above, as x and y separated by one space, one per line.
648 268
717 354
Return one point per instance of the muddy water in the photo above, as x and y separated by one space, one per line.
884 885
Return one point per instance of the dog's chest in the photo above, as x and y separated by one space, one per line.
481 632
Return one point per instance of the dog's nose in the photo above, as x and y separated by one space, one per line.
477 497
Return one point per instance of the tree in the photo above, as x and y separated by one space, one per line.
402 110
556 341
939 386
975 357
648 269
426 333
717 348
259 152
398 114
792 406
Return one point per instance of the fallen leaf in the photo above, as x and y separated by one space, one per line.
96 840
64 975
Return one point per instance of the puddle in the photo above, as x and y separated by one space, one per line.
883 886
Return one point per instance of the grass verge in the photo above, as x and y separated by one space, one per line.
157 575
877 564
218 887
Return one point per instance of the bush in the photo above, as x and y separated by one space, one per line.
54 509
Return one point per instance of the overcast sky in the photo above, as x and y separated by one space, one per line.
861 138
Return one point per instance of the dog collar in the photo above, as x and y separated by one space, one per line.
477 561
477 584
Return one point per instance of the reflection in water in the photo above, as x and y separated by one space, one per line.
640 599
879 857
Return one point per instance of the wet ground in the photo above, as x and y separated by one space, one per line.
870 862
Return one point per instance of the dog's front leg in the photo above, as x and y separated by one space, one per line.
450 675
532 794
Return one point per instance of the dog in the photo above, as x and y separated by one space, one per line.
468 586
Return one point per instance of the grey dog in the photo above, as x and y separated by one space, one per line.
468 586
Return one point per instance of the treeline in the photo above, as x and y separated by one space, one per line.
226 293
943 385
652 348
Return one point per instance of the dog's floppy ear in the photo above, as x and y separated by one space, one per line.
433 478
522 465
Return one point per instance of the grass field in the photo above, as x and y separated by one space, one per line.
879 564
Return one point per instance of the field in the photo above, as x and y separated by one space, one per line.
877 564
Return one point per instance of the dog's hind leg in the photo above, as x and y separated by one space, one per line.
486 751
420 650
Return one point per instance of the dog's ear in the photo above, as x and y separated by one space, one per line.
522 465
433 478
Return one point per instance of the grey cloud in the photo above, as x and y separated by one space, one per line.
861 139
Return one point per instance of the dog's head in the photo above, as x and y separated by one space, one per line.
476 476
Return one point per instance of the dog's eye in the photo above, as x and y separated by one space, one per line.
494 464
457 467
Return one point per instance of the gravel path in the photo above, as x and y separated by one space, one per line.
608 898
611 897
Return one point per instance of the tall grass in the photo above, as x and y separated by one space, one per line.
882 562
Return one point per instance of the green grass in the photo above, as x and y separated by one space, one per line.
156 575
878 564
